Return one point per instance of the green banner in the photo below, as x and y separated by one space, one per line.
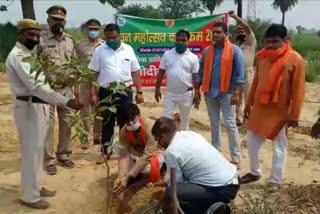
150 38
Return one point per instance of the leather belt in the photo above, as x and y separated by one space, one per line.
33 99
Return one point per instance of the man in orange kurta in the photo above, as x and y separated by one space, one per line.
275 101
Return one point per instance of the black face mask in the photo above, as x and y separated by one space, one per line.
241 37
57 29
30 44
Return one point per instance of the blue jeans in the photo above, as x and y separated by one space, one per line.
223 103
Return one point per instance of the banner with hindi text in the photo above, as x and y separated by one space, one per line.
150 38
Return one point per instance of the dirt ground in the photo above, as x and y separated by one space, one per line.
83 188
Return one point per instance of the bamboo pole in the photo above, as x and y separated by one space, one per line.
174 191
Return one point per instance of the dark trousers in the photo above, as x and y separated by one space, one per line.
109 118
196 199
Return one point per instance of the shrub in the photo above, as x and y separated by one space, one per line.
8 37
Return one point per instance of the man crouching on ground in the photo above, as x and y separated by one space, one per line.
139 153
204 177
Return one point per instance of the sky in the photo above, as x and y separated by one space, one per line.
306 13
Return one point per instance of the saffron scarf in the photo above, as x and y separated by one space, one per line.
278 58
226 67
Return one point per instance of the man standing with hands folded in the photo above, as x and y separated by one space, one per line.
221 75
114 61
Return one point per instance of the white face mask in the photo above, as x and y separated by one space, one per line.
134 127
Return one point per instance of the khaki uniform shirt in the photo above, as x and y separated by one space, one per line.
22 83
140 152
59 51
85 49
249 51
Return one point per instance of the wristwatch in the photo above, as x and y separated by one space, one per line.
139 92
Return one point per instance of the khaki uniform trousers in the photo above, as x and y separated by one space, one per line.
64 144
95 130
31 121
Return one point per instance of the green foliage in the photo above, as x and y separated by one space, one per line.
114 3
176 9
2 67
8 37
147 11
259 27
308 46
211 4
284 5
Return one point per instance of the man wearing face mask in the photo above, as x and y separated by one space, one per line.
248 44
84 50
181 67
138 152
114 61
60 48
275 102
31 113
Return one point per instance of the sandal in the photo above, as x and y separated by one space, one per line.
249 178
67 163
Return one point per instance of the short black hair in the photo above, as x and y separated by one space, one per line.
223 25
131 111
276 30
163 125
112 27
183 32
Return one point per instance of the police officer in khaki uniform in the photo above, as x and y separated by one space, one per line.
84 50
31 113
60 48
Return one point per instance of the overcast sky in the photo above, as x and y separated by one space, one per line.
306 13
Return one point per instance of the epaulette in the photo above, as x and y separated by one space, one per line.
67 35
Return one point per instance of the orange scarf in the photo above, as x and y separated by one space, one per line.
226 67
279 58
132 138
154 176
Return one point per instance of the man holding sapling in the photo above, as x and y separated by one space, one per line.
31 113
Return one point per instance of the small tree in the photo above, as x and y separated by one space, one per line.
285 6
211 4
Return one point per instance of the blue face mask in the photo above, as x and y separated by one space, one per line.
113 44
93 34
181 48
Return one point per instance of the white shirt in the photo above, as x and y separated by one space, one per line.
196 161
114 65
179 69
22 83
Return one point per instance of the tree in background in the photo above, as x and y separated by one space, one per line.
147 11
285 6
28 8
175 9
8 37
239 9
211 4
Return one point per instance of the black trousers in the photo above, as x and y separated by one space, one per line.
110 118
196 199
